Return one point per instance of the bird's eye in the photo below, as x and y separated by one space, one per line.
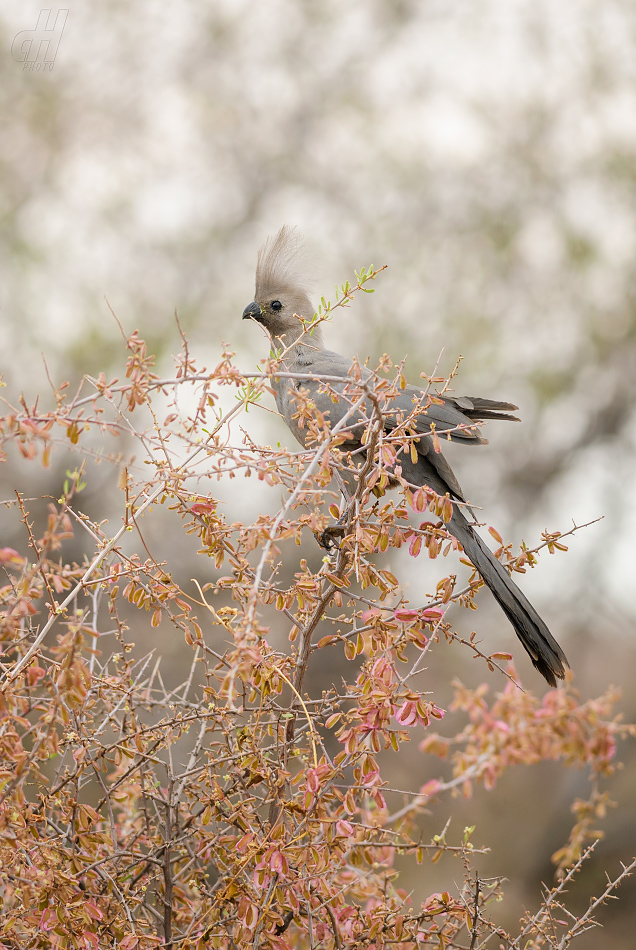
277 305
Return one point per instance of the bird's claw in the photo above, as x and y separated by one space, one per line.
331 537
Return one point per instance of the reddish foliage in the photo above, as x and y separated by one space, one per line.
214 815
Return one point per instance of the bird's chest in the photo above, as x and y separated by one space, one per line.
295 400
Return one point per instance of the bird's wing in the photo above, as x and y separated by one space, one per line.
453 417
332 383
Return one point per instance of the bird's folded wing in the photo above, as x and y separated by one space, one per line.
453 416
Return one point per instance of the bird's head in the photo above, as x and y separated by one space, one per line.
282 294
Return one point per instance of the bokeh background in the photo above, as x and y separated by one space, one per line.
485 151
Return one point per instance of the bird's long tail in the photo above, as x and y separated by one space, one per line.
545 653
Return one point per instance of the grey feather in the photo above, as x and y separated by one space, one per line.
283 307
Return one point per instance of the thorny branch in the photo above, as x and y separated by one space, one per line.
142 814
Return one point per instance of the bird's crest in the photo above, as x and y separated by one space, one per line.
282 265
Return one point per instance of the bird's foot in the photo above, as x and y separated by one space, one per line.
331 538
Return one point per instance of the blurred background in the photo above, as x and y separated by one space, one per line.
485 151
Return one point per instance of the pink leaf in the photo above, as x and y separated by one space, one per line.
406 615
431 788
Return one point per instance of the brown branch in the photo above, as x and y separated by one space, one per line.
167 867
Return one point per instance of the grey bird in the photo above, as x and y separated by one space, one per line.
281 300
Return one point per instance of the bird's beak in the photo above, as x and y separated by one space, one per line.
252 311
